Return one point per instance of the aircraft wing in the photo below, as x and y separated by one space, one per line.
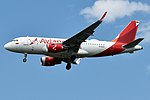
80 37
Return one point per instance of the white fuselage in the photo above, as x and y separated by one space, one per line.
38 45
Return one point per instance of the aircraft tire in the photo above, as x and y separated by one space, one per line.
24 60
68 67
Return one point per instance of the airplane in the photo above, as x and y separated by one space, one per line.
73 49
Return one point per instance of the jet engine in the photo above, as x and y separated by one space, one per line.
55 48
49 61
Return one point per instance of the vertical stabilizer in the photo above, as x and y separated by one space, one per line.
128 34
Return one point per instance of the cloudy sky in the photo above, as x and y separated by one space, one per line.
121 77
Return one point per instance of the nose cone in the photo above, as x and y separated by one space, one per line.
7 46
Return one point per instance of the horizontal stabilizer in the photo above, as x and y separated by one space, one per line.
133 44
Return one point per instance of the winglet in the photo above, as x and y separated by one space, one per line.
103 16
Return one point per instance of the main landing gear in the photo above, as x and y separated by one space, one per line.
25 57
72 58
68 67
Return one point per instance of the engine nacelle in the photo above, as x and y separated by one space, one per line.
55 48
49 61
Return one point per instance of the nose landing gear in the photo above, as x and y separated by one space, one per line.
25 57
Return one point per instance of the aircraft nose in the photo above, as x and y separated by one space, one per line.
7 46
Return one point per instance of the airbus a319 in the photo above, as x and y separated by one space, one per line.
73 49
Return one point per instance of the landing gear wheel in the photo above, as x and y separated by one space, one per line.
24 60
25 57
68 67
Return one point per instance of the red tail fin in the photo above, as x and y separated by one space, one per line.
128 34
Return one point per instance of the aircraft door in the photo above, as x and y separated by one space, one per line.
28 46
26 42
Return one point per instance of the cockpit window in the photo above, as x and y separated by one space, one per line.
15 40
